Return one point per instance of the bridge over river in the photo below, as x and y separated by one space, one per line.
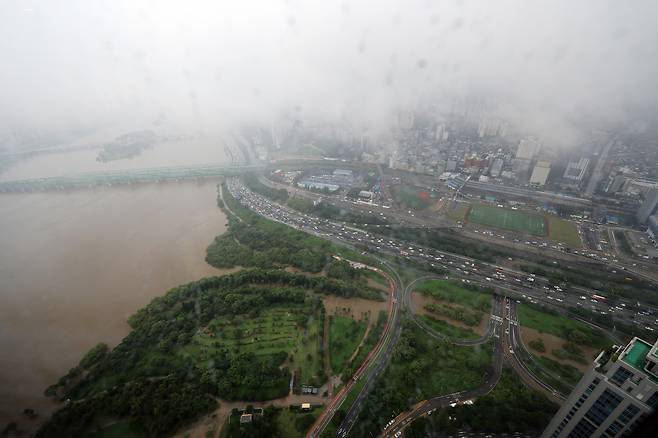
132 176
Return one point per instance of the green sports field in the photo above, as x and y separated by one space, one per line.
507 219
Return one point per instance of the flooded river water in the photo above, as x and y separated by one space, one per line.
74 265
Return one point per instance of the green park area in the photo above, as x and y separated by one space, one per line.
345 335
507 219
457 211
421 367
235 337
291 330
560 230
447 329
459 301
569 329
412 197
121 429
456 292
289 422
555 360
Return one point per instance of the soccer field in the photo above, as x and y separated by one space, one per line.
507 219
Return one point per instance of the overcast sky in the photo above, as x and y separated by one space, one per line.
206 64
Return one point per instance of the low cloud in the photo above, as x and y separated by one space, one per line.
550 67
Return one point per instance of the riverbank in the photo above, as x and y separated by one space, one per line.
75 265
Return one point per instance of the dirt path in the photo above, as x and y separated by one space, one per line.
216 419
221 196
358 348
325 346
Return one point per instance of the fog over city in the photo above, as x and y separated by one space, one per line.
550 67
306 218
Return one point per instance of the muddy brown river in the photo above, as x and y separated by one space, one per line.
74 265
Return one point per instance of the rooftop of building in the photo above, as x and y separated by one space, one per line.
636 355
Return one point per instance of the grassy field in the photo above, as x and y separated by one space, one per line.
292 424
457 211
374 276
448 329
564 231
412 197
456 292
568 374
273 331
513 220
368 344
562 327
121 429
345 334
276 422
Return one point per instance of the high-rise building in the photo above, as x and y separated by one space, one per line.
576 170
649 206
528 148
616 183
496 167
613 397
540 173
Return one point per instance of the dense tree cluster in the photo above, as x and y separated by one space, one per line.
331 212
150 351
468 317
157 406
509 408
93 356
258 242
421 367
341 269
445 241
246 376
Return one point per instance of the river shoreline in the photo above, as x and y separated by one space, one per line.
76 264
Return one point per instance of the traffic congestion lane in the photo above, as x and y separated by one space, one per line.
537 290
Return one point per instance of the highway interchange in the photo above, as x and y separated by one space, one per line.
514 285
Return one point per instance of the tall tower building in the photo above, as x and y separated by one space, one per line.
649 206
613 397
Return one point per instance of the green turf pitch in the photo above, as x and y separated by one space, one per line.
507 219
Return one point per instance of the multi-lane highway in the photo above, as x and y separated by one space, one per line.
427 407
503 280
375 361
534 289
534 246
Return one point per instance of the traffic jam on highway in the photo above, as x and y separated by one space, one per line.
519 284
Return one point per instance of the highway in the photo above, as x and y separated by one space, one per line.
375 361
427 407
535 246
534 289
517 349
504 281
379 364
508 345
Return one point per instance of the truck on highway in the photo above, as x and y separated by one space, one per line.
599 298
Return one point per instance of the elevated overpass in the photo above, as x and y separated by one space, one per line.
131 176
